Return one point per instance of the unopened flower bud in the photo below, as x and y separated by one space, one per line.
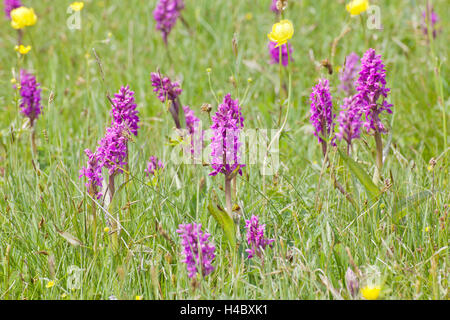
206 107
351 281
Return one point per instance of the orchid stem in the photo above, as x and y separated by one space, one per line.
228 195
114 225
33 141
379 157
94 222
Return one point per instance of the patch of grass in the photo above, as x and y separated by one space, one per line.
312 236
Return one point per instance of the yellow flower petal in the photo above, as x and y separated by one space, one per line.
77 6
22 49
281 32
23 17
356 7
371 292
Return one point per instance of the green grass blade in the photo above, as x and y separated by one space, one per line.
361 175
225 222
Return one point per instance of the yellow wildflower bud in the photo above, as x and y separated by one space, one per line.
50 284
22 49
371 292
356 7
208 70
77 6
106 229
427 229
248 16
281 32
13 81
23 17
139 297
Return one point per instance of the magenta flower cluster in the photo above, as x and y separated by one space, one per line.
192 125
93 172
255 237
124 110
275 53
349 121
197 250
430 16
30 106
371 86
166 14
348 74
153 165
164 88
112 149
227 124
111 153
273 6
10 5
322 117
192 121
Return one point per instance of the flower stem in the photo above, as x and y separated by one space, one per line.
174 107
186 24
19 36
366 40
379 157
336 184
281 84
127 178
33 142
228 196
115 229
94 222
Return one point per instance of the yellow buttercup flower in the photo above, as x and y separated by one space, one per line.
106 229
371 292
356 7
139 297
281 32
77 6
23 17
22 49
50 284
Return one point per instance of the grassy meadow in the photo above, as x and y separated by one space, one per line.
399 238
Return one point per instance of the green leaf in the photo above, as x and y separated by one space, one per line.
400 207
225 222
361 175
